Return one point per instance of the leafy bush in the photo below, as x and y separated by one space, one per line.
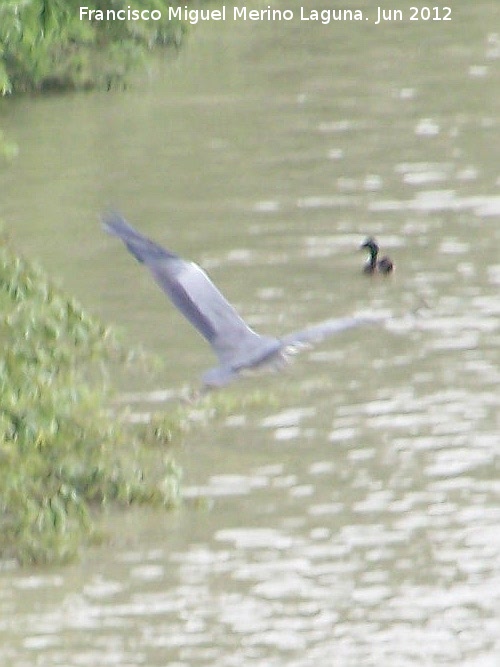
44 44
61 453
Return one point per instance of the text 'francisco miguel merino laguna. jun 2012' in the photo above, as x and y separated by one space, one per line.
242 13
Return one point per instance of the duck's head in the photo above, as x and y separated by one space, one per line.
371 245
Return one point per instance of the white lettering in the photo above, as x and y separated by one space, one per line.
240 13
193 16
267 14
328 15
128 14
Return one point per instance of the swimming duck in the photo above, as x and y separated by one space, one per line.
374 265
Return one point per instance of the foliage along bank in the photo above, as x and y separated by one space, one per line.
45 44
62 455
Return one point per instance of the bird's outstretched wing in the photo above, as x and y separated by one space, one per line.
195 295
318 332
141 247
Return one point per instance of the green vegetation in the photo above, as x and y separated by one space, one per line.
61 454
45 45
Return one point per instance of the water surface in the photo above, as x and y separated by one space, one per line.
355 521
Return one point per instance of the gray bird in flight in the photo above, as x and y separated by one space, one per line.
235 344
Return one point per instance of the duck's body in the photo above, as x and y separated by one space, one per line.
374 265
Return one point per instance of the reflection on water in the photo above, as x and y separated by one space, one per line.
356 523
374 553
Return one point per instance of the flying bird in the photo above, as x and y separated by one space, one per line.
375 265
236 345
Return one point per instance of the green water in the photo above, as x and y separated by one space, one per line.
355 521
